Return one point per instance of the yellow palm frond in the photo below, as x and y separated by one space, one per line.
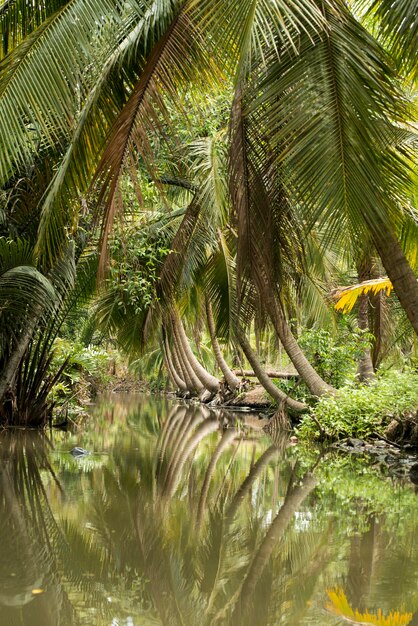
347 296
339 605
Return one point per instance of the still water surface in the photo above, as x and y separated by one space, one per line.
185 517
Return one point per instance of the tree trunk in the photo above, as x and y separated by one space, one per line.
190 378
230 378
9 373
276 393
269 373
379 327
316 385
365 367
208 381
398 270
172 372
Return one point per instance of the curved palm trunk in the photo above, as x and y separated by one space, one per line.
277 395
189 375
9 373
208 381
175 377
230 378
316 385
178 364
398 270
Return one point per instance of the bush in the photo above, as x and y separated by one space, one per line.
335 358
359 411
86 370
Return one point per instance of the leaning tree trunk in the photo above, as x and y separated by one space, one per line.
398 270
190 378
316 385
230 378
365 367
172 372
276 393
208 381
8 375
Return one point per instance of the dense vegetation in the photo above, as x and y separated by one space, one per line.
195 184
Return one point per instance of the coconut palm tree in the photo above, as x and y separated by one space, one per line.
319 127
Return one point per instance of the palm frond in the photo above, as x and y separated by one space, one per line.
44 79
329 118
397 27
347 296
168 67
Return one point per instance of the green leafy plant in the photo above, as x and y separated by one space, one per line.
335 357
360 411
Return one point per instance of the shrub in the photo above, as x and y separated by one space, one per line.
335 358
359 411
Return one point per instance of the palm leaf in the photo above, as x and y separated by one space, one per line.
168 66
347 296
328 118
43 79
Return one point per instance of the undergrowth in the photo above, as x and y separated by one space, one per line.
360 410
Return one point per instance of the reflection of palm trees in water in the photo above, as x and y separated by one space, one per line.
201 551
188 526
30 588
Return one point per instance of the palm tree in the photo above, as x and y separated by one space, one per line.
319 129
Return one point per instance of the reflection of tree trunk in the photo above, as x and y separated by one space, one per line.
254 473
207 380
305 579
365 367
231 380
292 502
209 426
228 436
360 568
179 440
176 414
157 570
276 393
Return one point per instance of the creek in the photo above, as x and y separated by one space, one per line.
182 516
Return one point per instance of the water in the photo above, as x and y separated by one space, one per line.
183 517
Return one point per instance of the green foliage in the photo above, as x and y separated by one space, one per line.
335 358
360 411
85 370
136 262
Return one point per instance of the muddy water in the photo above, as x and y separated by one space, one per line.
182 516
